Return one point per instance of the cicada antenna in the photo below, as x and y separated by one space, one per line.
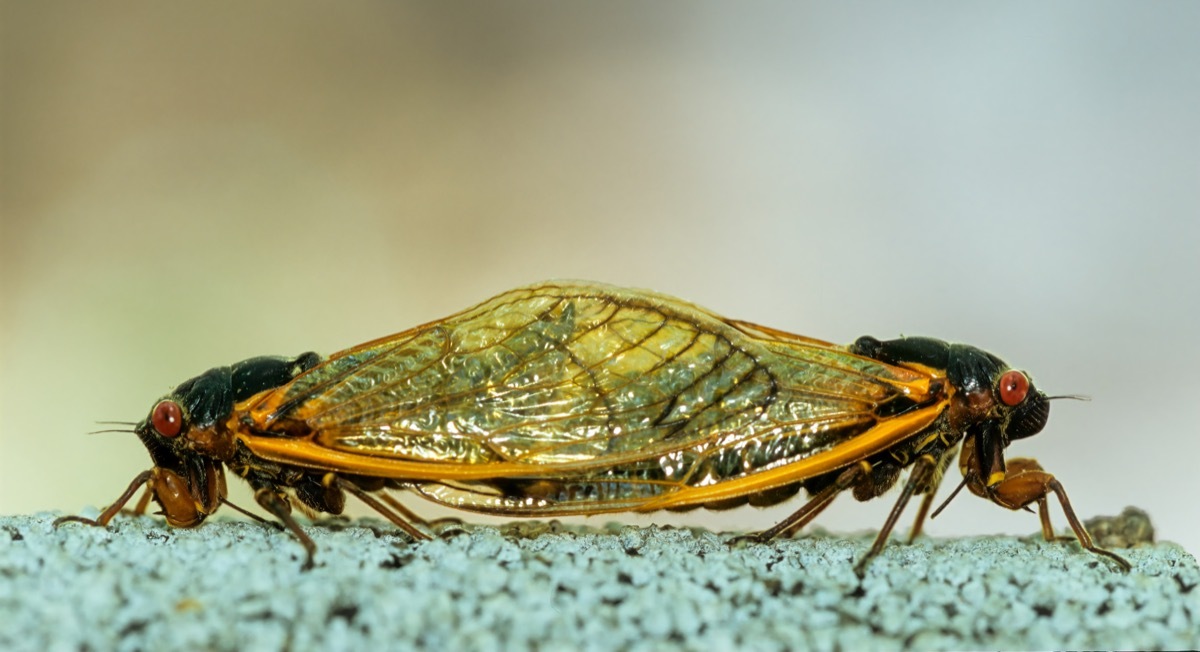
131 424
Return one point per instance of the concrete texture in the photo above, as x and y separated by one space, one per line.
238 585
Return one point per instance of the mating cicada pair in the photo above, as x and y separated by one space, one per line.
579 398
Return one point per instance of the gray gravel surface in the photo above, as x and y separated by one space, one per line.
231 585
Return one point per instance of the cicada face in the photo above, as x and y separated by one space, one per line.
187 485
1005 407
1029 415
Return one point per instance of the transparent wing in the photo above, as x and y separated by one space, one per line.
589 380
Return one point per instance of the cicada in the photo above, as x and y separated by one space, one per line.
569 398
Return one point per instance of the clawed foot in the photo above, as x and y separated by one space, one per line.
745 539
76 519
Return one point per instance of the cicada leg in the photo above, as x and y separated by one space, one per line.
115 508
918 480
415 519
403 510
277 503
923 479
815 505
251 515
326 495
379 506
930 492
144 502
1025 483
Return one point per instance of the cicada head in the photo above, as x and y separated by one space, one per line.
995 405
187 439
187 485
1030 407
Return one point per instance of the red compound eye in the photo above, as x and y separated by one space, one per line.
167 418
1014 385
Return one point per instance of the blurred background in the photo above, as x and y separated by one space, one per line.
186 186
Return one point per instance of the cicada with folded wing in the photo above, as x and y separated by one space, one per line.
579 398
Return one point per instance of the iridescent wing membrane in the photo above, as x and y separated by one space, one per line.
570 398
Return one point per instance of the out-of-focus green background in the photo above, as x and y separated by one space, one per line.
191 185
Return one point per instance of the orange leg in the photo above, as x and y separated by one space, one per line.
144 501
114 508
1026 483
